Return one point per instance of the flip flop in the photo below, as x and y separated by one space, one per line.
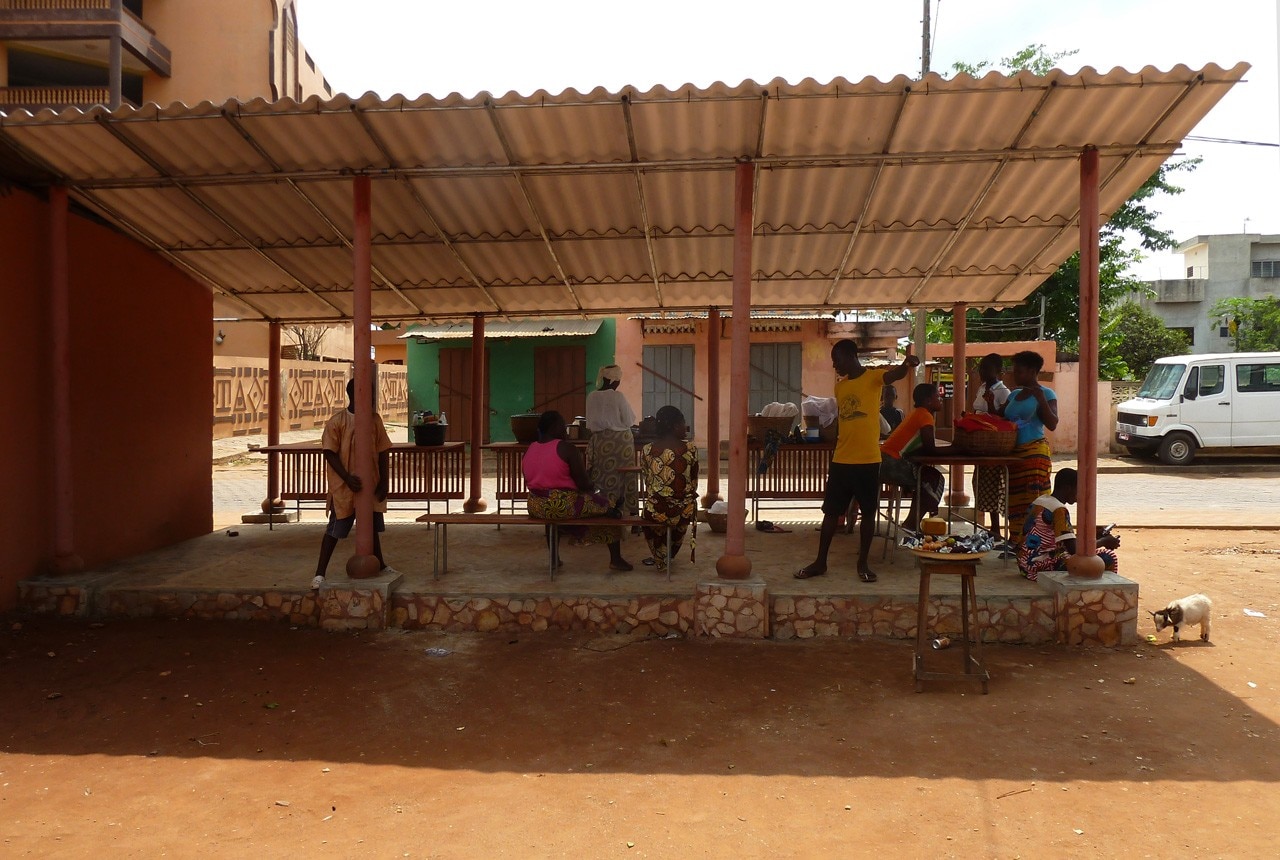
805 573
867 576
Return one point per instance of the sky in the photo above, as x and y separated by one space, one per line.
413 47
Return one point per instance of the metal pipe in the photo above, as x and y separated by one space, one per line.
734 564
363 453
65 559
713 408
273 501
1087 412
474 503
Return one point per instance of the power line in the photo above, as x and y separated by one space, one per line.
1229 140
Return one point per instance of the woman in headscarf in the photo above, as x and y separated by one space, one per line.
609 418
559 489
669 465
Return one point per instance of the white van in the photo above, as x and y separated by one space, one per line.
1188 402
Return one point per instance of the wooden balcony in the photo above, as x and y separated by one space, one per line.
83 19
36 98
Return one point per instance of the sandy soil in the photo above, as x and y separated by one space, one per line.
181 739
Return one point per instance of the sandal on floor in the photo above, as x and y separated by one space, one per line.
648 562
805 573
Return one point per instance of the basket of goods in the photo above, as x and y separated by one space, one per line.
779 417
980 433
955 547
717 517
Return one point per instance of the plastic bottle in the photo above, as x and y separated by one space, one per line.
443 419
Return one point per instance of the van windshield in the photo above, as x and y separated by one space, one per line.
1162 381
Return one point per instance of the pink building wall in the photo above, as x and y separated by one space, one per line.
140 380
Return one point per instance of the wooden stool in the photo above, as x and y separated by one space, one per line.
974 668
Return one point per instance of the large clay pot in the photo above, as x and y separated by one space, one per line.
525 427
429 434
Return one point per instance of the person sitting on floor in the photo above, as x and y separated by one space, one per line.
1048 537
915 436
559 489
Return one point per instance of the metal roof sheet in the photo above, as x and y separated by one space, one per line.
874 194
516 328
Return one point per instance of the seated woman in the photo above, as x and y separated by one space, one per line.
669 467
915 436
1048 537
559 489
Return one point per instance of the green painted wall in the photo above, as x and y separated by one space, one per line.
510 372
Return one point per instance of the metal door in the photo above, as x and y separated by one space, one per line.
1206 404
455 393
668 380
559 380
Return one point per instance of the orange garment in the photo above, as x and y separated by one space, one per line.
858 410
339 437
906 436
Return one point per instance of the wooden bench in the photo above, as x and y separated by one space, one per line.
797 473
440 553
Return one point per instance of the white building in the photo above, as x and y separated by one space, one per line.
1239 265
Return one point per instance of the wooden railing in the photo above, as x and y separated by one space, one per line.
53 97
53 5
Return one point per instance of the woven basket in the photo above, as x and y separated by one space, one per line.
989 442
758 425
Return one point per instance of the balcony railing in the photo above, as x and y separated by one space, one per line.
35 98
83 19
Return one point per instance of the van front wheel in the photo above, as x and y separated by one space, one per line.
1177 449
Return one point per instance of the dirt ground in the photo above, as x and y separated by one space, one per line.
162 738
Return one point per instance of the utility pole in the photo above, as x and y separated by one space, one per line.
925 53
1040 331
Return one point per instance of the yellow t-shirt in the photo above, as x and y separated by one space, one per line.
858 407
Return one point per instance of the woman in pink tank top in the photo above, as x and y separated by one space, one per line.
559 489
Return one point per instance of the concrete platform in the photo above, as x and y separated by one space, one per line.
497 581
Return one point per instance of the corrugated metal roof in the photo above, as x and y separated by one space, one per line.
875 194
517 328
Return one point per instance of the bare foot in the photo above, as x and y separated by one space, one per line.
810 571
621 564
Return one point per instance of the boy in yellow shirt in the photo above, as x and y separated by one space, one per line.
855 466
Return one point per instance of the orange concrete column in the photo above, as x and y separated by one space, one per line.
65 559
959 395
273 504
713 408
475 504
1086 562
364 563
734 564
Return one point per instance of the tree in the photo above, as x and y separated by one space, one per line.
1061 290
1257 322
1140 336
307 338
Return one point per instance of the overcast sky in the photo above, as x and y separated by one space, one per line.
422 46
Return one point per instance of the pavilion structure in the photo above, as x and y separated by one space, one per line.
901 194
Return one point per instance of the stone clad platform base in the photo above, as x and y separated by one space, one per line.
737 608
1100 611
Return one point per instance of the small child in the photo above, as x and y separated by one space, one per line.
343 477
915 435
1049 538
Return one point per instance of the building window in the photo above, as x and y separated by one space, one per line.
668 380
775 375
1189 331
1191 271
1264 269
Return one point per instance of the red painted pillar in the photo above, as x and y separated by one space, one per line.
475 503
960 394
363 564
1087 432
65 559
734 564
713 408
272 504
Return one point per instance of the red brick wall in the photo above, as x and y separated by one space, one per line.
140 382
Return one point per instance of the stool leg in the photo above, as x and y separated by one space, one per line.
977 635
965 583
922 623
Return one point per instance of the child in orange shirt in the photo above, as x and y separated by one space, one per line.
915 435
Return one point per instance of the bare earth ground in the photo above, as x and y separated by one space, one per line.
181 739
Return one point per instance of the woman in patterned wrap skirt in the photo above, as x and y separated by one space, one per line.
670 469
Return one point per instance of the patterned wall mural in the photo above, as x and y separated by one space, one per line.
311 392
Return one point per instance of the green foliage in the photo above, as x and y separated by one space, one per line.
1141 338
1135 219
1257 322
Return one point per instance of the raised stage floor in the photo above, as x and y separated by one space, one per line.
498 581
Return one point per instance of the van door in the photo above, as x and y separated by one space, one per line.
1256 410
1206 404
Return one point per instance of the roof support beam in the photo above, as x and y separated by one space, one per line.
427 212
517 173
640 199
866 201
